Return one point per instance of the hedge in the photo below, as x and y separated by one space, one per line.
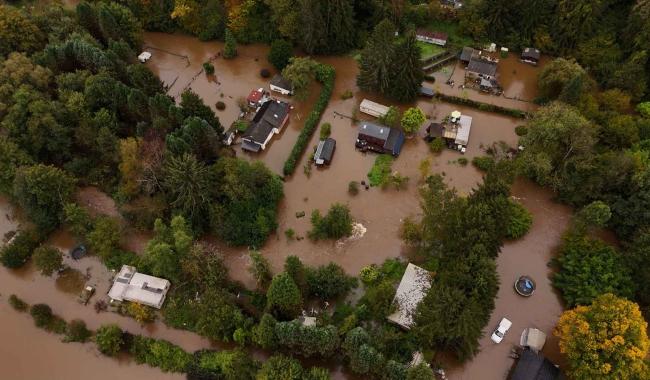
482 106
324 74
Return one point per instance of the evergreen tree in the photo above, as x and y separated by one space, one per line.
406 72
230 48
376 58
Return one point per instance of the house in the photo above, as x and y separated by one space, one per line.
380 139
530 55
373 109
457 130
411 291
434 130
325 151
481 67
534 366
270 118
281 85
427 92
254 99
129 285
144 56
466 54
436 38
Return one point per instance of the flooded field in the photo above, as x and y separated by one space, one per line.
177 60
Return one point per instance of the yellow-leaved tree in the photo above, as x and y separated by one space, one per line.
606 340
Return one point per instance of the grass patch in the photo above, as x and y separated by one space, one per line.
452 29
428 50
381 170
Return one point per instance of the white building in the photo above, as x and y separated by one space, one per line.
129 285
411 291
373 109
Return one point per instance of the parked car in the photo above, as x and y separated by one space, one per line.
501 330
86 293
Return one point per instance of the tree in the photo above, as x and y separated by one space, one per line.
141 313
264 332
16 254
329 282
376 59
195 137
47 259
109 339
317 373
420 372
556 76
606 340
280 54
11 157
300 72
280 367
294 268
226 365
283 298
588 268
203 265
77 332
230 47
307 340
42 191
42 315
17 32
412 120
164 253
105 237
335 225
520 221
260 269
406 71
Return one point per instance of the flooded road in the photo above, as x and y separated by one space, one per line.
177 60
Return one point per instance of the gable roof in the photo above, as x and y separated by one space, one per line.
482 66
270 115
429 34
466 54
374 130
132 286
532 366
279 81
325 150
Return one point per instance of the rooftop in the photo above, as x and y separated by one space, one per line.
531 53
466 54
270 115
324 151
434 35
532 366
411 291
255 96
482 66
375 130
129 285
279 81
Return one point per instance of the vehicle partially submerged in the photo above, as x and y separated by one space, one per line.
501 330
85 294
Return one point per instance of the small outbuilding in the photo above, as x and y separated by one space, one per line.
325 151
434 130
481 67
436 38
254 99
373 109
129 285
380 139
466 54
144 56
531 56
427 92
414 286
281 85
534 366
270 118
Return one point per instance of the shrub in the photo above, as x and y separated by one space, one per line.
16 254
222 365
324 74
47 259
109 339
290 233
347 94
463 161
17 303
484 163
325 131
380 172
353 188
521 130
280 53
483 106
437 145
520 221
283 298
160 353
208 67
77 332
280 367
369 274
260 269
412 119
241 125
230 47
307 340
220 105
141 313
265 73
335 225
329 281
42 315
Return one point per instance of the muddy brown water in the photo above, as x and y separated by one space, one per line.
177 60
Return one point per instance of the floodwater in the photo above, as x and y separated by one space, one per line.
177 60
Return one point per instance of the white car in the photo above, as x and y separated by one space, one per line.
501 330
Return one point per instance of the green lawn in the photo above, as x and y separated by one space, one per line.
427 50
456 39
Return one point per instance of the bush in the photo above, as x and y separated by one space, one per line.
141 313
109 339
353 188
17 303
520 221
265 73
77 332
329 281
208 67
324 74
307 340
280 367
325 131
16 254
437 145
335 225
230 47
463 161
220 105
280 53
42 315
222 365
347 94
241 125
283 298
290 233
521 130
484 163
47 259
380 172
160 353
482 106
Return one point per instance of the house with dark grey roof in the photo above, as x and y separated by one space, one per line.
281 84
380 139
533 366
466 54
530 55
480 67
325 151
270 118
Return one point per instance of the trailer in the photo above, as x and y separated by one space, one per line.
373 109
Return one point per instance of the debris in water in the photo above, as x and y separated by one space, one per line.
358 230
300 214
